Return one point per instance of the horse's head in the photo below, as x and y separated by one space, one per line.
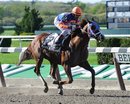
93 29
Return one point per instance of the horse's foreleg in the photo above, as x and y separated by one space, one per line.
67 69
65 56
87 66
37 71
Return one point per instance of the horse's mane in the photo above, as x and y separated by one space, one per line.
76 32
83 23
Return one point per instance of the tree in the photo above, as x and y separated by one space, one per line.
1 15
31 21
97 11
1 29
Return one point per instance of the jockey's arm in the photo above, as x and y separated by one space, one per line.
62 25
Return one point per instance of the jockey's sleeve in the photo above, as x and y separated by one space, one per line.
62 25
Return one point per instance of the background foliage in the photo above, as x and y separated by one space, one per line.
103 58
30 22
13 11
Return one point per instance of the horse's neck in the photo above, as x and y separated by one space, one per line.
79 42
86 38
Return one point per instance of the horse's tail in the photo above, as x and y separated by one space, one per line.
40 42
25 55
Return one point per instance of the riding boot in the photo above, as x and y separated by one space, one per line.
66 42
59 41
44 44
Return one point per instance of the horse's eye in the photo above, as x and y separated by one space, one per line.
96 31
93 27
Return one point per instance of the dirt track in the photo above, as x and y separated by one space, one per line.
30 91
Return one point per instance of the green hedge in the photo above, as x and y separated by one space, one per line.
6 42
107 58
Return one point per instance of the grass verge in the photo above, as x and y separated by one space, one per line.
12 58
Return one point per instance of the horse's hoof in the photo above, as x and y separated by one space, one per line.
60 92
55 82
61 82
92 90
46 90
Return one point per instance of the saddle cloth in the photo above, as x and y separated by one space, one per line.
50 41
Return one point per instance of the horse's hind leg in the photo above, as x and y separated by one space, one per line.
87 66
37 71
60 87
54 72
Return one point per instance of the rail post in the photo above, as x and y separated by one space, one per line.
2 77
119 75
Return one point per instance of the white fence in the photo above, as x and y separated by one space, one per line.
91 49
32 36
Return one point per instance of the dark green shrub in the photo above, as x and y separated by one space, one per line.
103 58
125 42
5 42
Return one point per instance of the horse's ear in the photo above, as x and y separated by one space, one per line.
93 19
87 20
83 20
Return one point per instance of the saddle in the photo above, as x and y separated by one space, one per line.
50 43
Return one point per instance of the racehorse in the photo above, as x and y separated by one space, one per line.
77 55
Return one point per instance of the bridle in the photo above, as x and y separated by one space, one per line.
90 31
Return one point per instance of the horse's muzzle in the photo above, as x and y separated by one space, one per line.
100 37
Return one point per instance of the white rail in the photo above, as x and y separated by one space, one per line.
18 37
91 49
32 36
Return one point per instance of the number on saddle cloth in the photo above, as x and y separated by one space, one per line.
50 40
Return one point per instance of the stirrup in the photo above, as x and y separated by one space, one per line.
57 49
58 43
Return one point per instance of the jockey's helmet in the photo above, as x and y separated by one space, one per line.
77 11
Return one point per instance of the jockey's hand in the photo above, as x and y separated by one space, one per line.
73 23
70 27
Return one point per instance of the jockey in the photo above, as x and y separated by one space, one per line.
63 23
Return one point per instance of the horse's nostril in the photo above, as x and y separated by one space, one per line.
103 37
